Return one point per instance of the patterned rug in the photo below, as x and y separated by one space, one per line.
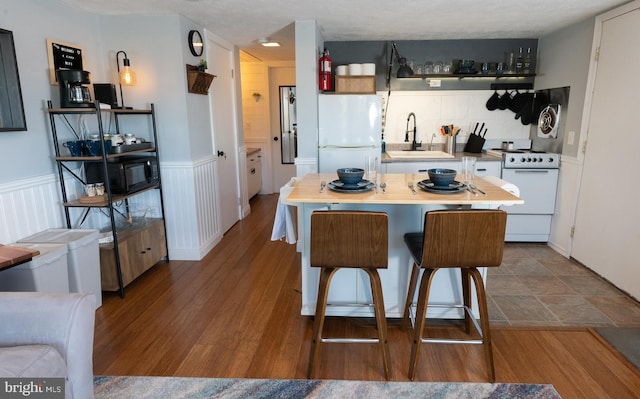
109 387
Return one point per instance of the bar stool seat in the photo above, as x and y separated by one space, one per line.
464 239
349 239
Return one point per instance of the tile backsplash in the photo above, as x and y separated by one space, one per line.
458 107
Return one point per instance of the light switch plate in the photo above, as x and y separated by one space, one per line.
571 137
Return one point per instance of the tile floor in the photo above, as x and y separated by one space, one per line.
535 285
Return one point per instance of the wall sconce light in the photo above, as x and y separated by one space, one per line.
126 76
404 71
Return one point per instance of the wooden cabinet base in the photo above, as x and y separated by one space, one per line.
140 248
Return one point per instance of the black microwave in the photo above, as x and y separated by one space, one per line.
126 175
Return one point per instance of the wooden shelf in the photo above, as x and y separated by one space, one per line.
471 75
99 158
198 82
105 202
92 110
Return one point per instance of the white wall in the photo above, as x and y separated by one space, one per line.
463 108
556 69
309 43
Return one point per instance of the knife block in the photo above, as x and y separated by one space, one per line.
474 144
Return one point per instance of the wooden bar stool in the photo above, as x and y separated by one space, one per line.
465 239
349 239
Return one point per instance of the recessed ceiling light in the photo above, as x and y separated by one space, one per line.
268 43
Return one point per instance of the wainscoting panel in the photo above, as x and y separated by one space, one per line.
190 206
31 205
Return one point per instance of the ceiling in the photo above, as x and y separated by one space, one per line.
243 22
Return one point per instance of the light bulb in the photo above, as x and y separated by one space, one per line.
127 76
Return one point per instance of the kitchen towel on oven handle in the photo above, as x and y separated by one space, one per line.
505 185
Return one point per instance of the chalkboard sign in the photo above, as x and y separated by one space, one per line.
63 56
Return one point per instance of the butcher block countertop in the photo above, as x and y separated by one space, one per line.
307 190
13 256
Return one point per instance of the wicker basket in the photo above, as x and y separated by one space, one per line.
198 81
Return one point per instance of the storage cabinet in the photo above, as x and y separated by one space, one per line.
140 248
134 249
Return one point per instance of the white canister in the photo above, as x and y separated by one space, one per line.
116 139
369 69
341 70
355 69
129 138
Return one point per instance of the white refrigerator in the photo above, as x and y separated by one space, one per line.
350 129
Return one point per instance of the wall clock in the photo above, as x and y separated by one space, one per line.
195 43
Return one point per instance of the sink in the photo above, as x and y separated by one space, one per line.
419 154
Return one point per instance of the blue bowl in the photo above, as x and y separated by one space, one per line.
441 177
350 176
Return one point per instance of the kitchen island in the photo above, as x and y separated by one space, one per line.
349 288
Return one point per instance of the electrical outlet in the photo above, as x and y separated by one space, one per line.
571 137
435 83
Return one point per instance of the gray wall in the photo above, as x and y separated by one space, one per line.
379 52
158 56
29 153
563 60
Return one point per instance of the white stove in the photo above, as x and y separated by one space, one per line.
536 176
526 159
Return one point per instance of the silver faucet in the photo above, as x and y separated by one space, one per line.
414 143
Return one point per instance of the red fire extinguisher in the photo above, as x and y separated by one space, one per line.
325 71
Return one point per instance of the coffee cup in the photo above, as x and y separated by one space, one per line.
74 146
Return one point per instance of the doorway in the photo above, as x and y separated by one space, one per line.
282 78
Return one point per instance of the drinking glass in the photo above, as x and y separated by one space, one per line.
468 170
371 168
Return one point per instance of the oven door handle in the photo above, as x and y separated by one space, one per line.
531 171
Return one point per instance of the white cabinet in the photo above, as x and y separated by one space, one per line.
483 168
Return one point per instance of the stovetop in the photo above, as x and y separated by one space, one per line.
526 158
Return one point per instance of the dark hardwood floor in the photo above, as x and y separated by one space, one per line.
236 313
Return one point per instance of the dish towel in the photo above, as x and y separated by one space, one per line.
283 225
505 185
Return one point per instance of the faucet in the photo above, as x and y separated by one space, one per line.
414 144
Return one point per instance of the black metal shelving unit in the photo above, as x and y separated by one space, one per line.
104 158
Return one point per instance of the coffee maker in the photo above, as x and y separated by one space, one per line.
72 92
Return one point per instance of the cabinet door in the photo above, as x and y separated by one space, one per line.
490 168
153 244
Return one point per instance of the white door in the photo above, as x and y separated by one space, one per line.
222 98
607 228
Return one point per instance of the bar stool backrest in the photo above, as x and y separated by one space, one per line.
463 238
349 239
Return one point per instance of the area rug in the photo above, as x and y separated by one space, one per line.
110 387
